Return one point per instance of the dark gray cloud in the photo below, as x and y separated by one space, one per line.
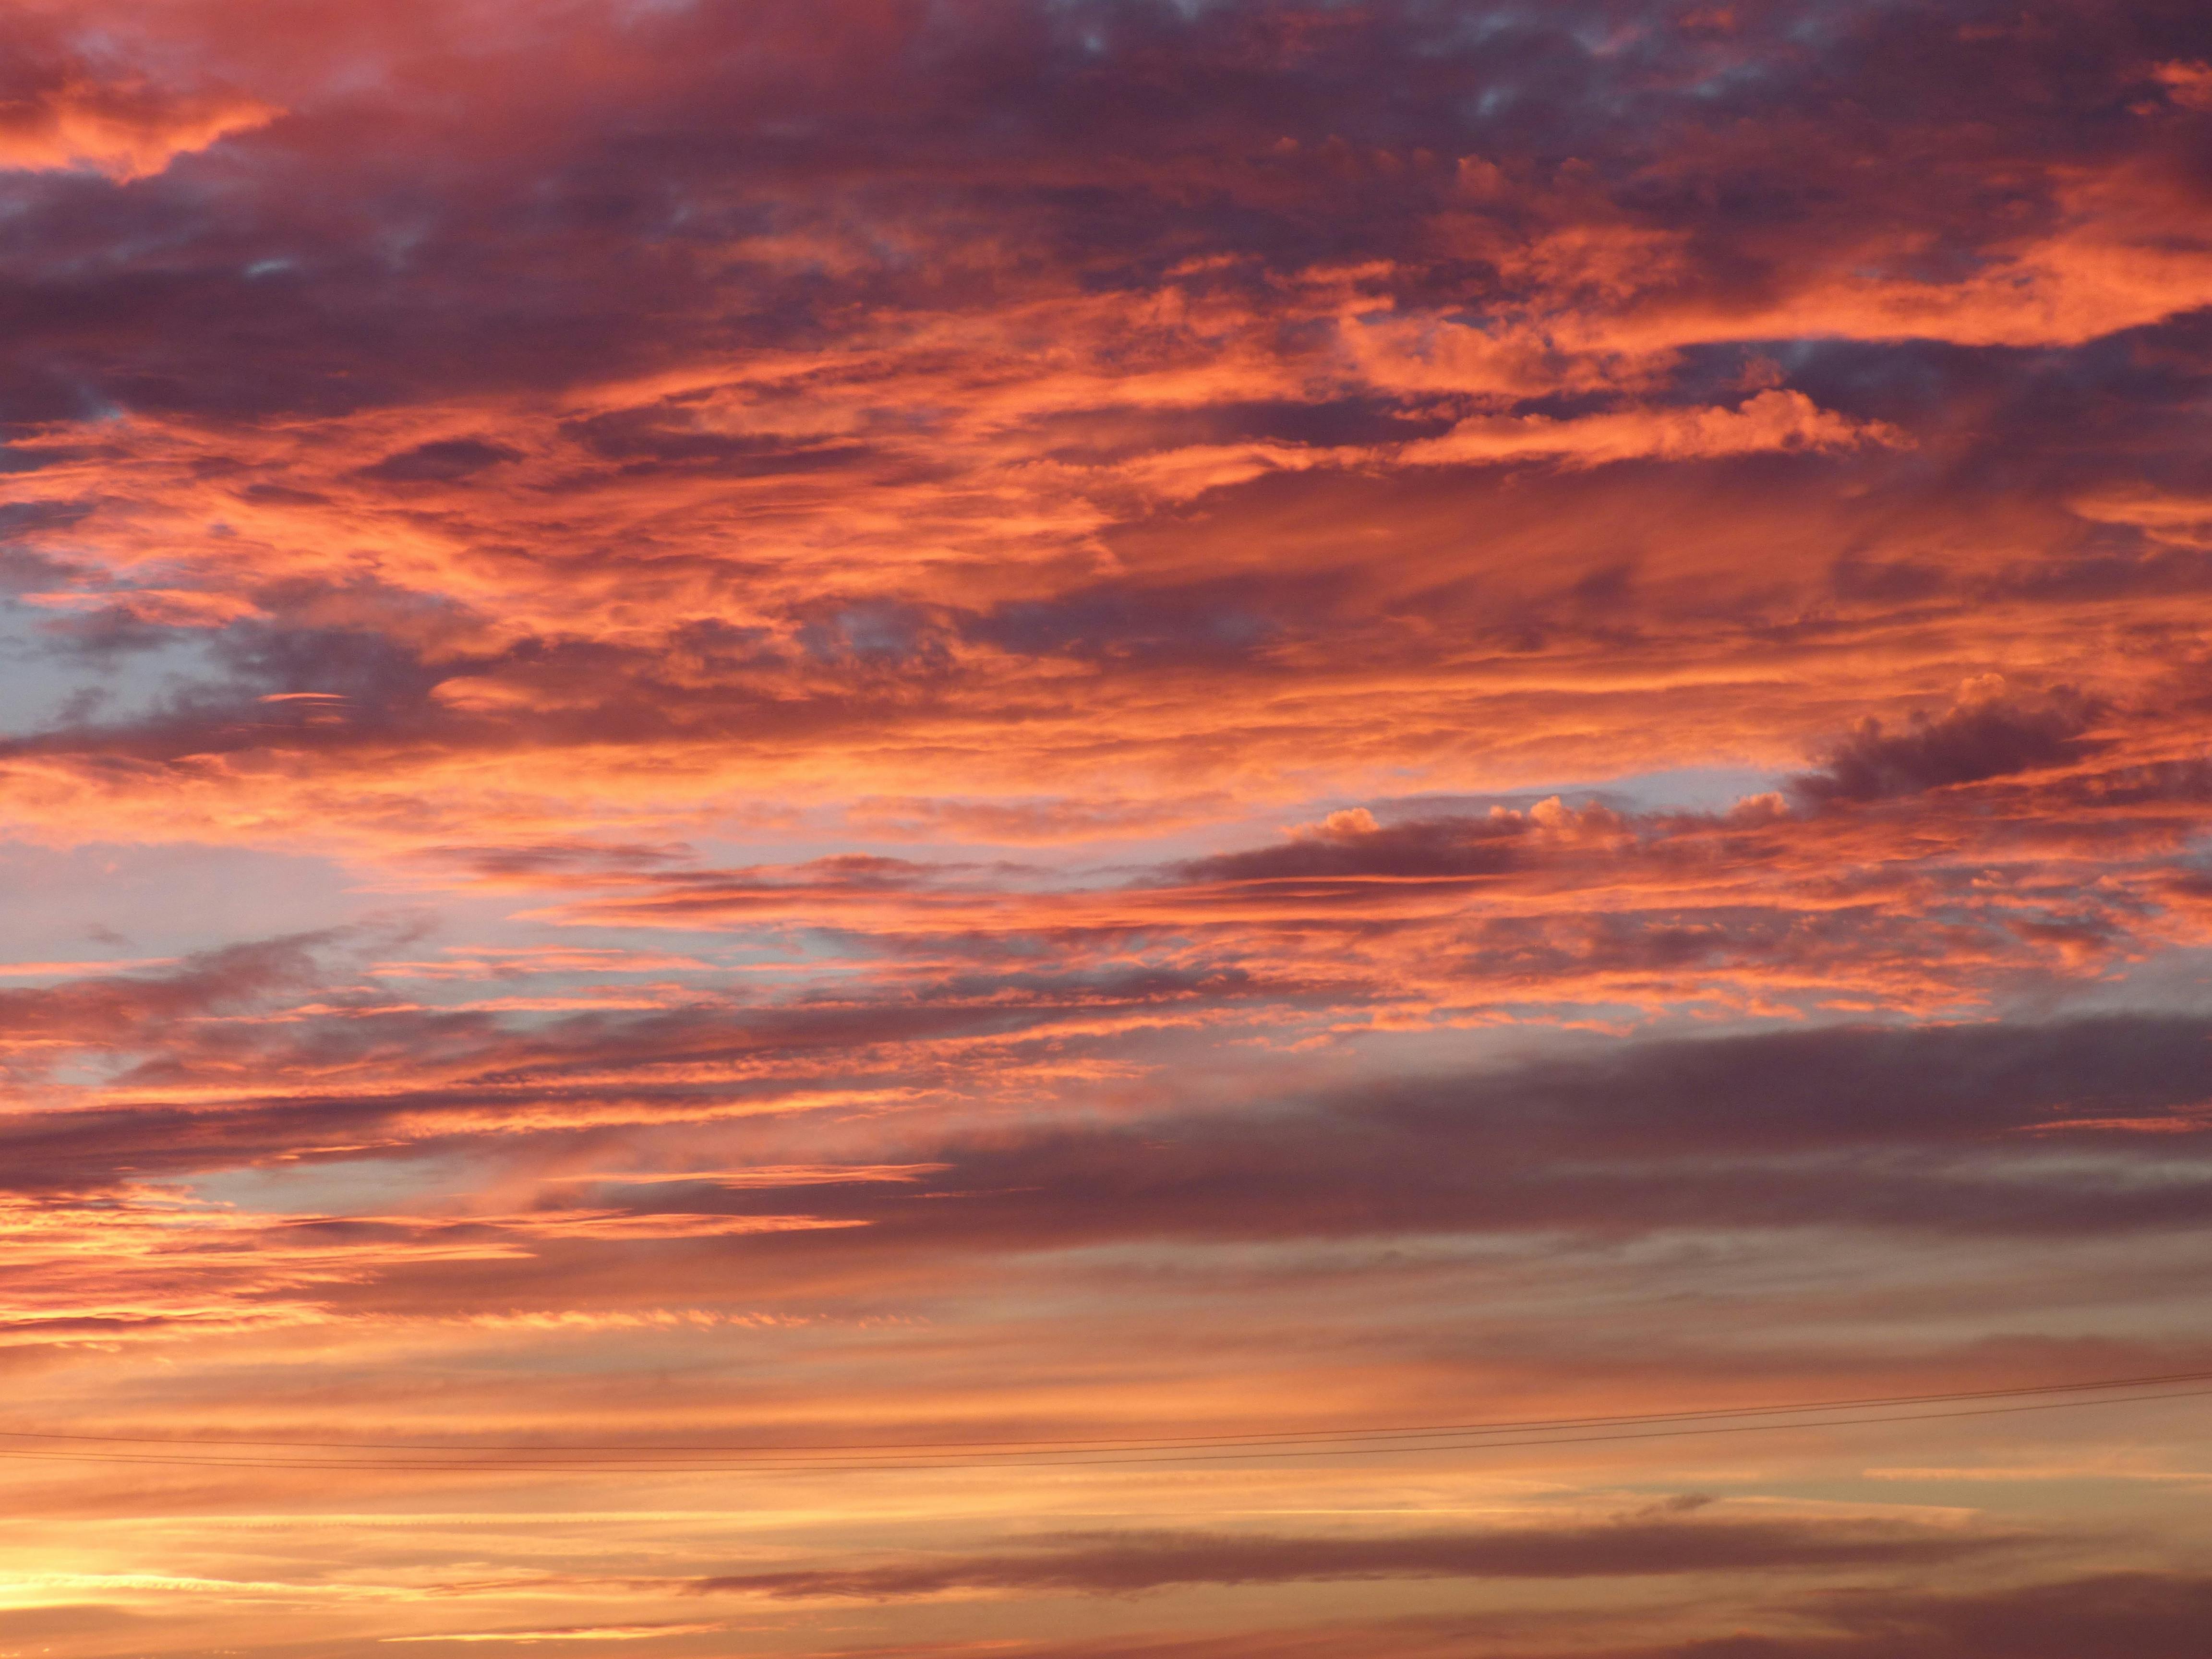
1985 738
2144 1615
1630 1546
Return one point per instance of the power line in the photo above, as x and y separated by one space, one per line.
1344 1443
1127 1442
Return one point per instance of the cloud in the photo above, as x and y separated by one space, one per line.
2154 1615
1983 735
570 1633
1104 719
59 117
1770 420
1127 1565
440 460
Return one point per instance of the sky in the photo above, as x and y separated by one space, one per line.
825 824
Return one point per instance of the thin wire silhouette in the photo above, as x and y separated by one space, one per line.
860 1457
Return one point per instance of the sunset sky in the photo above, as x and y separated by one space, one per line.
822 823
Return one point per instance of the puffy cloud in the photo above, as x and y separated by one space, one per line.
1981 736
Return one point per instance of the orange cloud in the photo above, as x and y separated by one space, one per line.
930 740
1770 420
123 129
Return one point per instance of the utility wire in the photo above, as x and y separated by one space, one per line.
1083 1455
1130 1443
